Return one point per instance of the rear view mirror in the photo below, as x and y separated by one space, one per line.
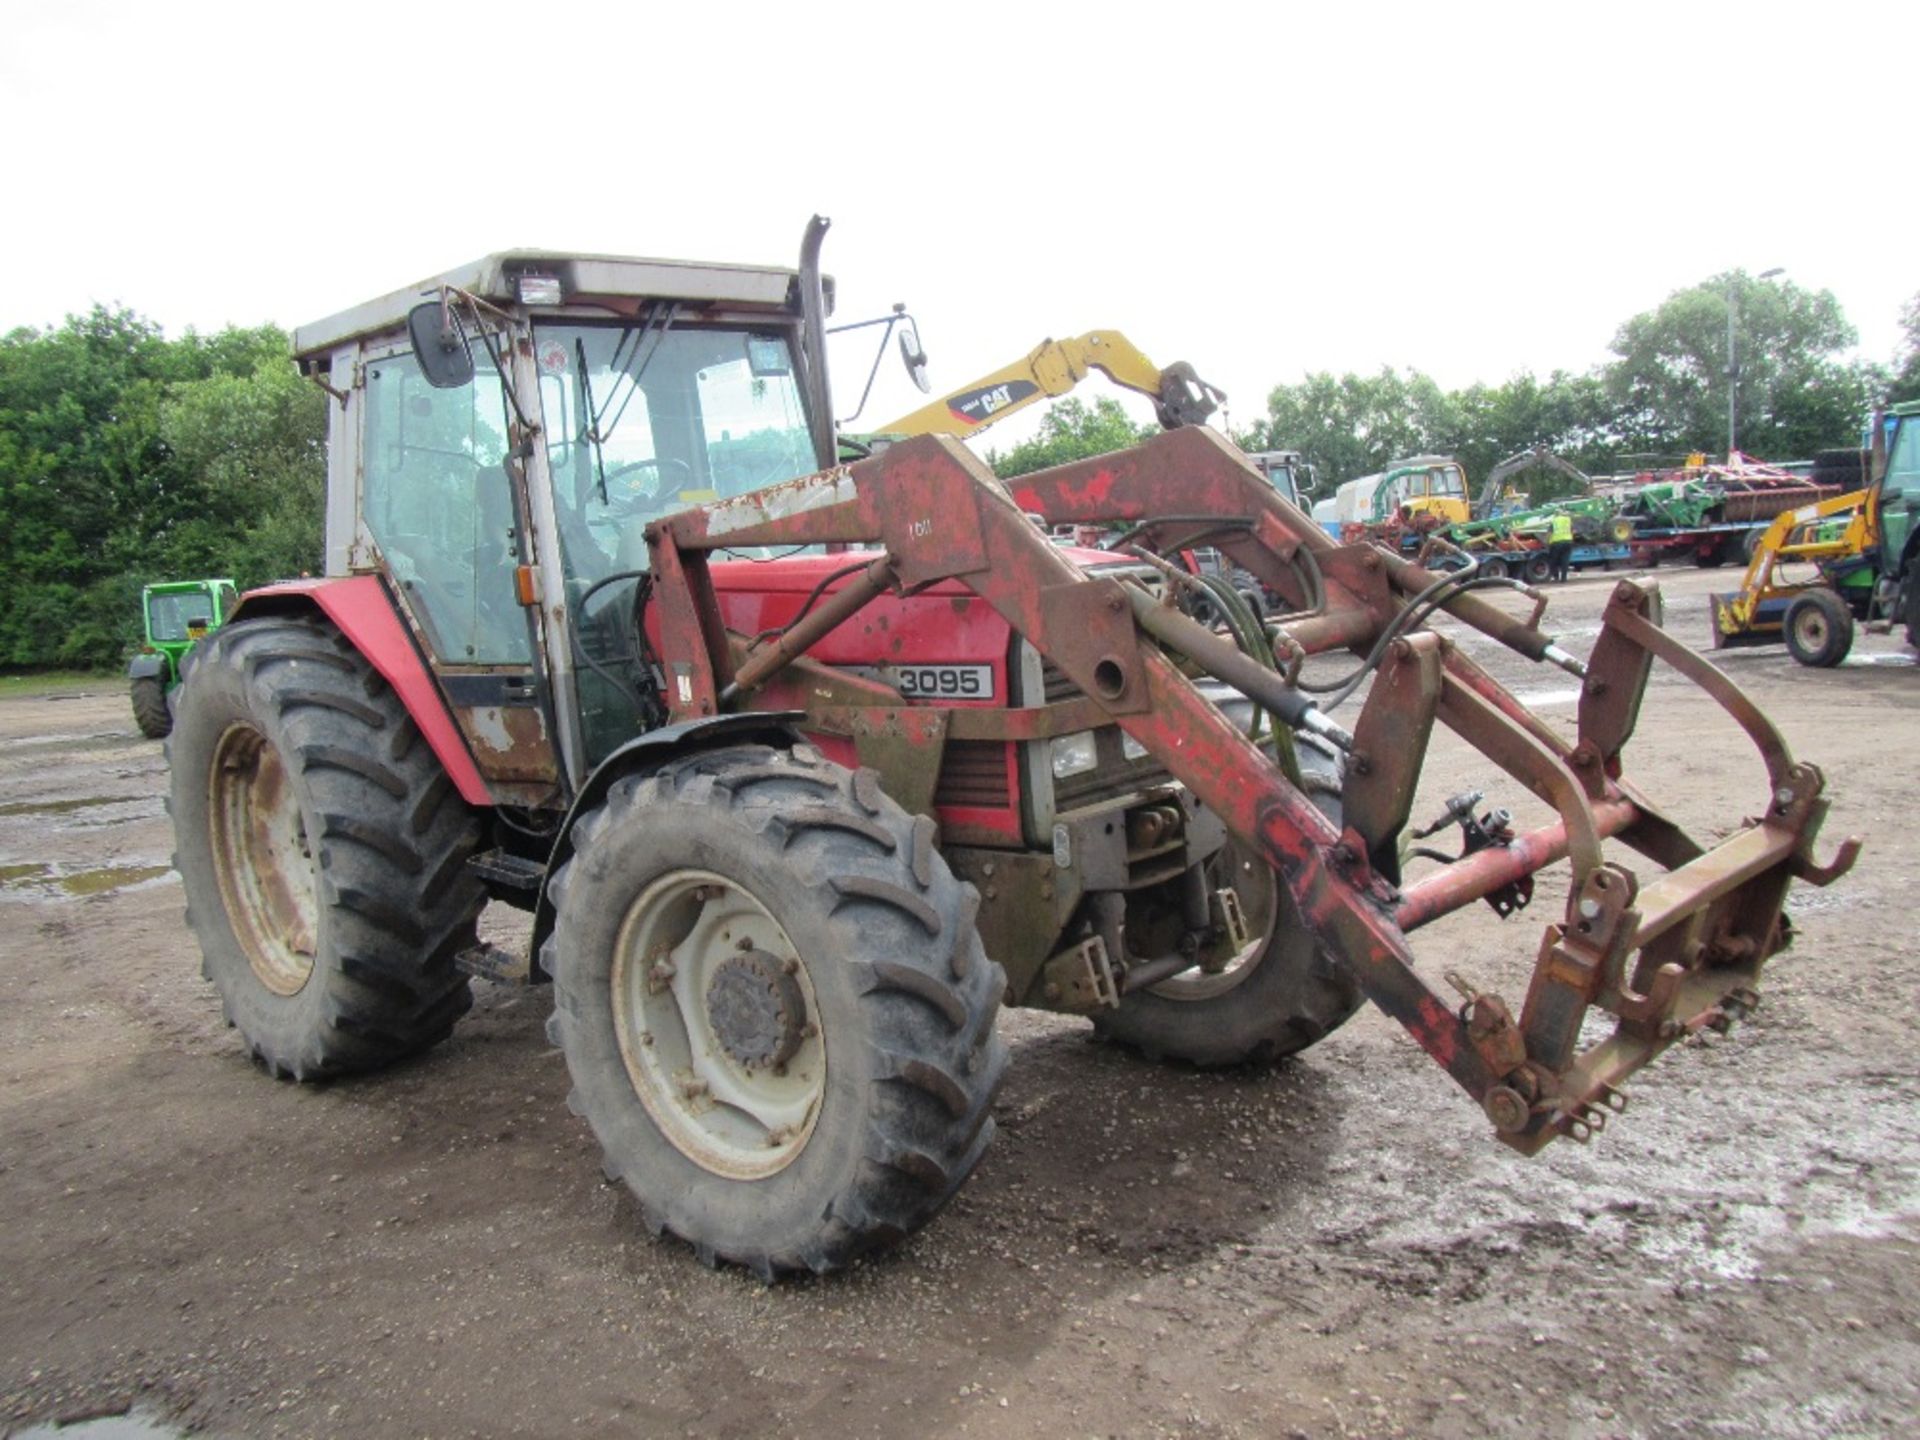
913 356
440 345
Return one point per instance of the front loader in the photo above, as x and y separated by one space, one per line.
1821 565
804 769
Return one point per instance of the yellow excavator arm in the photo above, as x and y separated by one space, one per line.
1053 368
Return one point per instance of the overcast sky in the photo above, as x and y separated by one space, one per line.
1469 190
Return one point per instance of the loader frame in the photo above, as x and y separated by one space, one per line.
1667 956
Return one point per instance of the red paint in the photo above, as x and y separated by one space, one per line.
1437 1030
363 611
944 624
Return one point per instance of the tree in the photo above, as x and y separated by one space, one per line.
254 446
1071 431
127 458
1905 384
1668 386
1352 425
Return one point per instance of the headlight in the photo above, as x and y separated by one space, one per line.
1074 755
1131 748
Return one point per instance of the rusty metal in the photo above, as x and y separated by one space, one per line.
1480 874
839 607
1081 979
1688 944
1225 661
1390 741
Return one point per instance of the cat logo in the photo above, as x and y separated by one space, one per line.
976 407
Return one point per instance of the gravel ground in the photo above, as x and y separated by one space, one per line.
1334 1247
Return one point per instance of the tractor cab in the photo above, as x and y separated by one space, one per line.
502 434
175 616
1287 471
179 612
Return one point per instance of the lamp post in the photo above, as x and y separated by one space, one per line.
1733 361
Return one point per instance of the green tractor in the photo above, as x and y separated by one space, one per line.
178 615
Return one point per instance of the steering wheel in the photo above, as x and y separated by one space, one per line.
654 498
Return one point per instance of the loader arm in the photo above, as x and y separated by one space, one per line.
1666 956
1736 615
1055 367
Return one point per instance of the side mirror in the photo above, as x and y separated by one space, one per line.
913 356
440 345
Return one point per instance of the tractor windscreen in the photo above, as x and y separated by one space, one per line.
642 420
169 615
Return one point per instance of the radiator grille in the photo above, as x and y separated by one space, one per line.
974 773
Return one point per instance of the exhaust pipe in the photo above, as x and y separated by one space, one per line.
813 310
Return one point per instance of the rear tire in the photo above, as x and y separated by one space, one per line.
1284 995
150 711
1538 569
774 1006
1819 629
323 850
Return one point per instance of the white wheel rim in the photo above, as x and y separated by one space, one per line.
740 1120
1204 985
263 859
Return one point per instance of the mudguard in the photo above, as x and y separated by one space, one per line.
148 667
648 752
363 610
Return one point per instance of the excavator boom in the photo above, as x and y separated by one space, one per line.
1052 368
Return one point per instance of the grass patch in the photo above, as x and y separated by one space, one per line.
55 682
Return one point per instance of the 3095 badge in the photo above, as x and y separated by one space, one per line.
950 682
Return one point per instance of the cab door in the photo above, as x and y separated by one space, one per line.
448 521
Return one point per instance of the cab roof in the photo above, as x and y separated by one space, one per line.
496 277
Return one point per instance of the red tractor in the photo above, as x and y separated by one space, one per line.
804 768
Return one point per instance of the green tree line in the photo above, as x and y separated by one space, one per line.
1661 396
126 458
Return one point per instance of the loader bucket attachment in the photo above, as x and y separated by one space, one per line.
1667 955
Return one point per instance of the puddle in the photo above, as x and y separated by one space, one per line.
55 882
1536 699
1881 658
65 807
131 1425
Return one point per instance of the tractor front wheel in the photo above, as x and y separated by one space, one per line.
150 711
1819 629
774 1007
1276 999
323 850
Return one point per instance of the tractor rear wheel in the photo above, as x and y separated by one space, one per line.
150 711
1819 629
774 1007
1276 999
323 850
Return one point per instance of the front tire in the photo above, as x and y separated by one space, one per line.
323 850
150 711
774 1006
1819 629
